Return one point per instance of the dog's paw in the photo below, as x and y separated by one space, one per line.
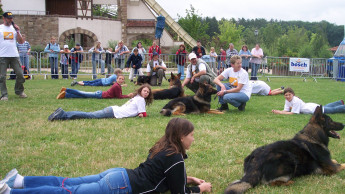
334 161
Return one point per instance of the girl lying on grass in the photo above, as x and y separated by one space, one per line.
164 170
132 108
294 105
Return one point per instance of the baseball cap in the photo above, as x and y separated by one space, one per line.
155 53
65 46
78 44
8 15
192 56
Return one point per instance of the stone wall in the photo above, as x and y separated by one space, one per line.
38 29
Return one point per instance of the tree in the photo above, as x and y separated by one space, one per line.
230 33
270 35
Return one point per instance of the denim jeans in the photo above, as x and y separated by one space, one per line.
14 63
54 68
180 69
72 93
235 99
75 68
24 59
120 63
255 68
114 180
334 107
100 114
64 71
96 82
95 64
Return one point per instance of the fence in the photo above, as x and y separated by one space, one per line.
40 64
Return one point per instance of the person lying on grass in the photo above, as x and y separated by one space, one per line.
114 92
262 89
132 108
163 171
294 105
100 82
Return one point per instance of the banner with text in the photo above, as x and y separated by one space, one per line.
299 64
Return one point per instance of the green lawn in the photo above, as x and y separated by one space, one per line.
35 146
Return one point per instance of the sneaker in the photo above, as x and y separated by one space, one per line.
74 83
242 107
9 178
4 98
223 107
63 89
61 95
75 78
55 114
22 95
3 187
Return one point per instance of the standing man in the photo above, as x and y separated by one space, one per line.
229 53
53 49
198 71
199 50
9 34
120 51
155 69
76 59
24 52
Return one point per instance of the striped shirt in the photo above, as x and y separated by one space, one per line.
23 48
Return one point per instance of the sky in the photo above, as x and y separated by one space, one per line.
332 11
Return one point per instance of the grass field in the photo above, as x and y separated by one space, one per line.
35 146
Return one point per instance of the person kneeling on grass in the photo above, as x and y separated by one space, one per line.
114 92
294 105
132 108
164 170
100 82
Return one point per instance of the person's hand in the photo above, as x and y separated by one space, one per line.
200 54
197 181
131 95
192 79
133 66
124 85
205 187
127 69
276 111
141 115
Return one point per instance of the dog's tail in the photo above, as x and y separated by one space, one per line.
166 112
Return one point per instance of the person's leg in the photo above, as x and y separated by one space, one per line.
220 98
235 99
15 65
206 79
131 74
3 69
276 92
56 68
74 68
254 71
72 93
117 63
182 72
102 67
193 86
178 68
122 61
27 62
100 114
51 62
334 104
96 82
94 75
334 109
153 81
160 74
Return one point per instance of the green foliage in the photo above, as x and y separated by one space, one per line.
1 11
230 33
104 11
37 48
112 43
70 42
145 42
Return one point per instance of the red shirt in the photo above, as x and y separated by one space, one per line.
223 56
114 92
152 49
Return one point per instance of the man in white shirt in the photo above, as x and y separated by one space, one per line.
198 71
155 69
9 56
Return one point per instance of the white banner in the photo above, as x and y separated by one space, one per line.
299 64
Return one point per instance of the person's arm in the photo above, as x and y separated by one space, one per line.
185 82
203 50
91 50
129 60
19 35
162 66
126 51
138 65
141 104
29 46
148 70
282 112
46 50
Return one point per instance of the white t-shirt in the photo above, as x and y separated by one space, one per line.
260 88
8 41
148 68
202 67
131 108
239 77
298 106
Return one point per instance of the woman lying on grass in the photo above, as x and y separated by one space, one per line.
294 105
132 108
164 170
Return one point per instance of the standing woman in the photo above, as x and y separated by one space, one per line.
163 171
53 49
213 59
245 54
255 61
181 60
97 51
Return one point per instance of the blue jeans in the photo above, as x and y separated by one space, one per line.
96 82
114 180
54 69
96 63
255 68
64 70
72 93
75 68
25 61
334 107
100 114
180 69
120 63
235 99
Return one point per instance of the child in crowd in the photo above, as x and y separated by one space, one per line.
134 62
294 105
164 170
134 107
64 61
114 92
100 82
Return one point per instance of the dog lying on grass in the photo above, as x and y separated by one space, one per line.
174 91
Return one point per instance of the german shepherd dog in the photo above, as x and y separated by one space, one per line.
143 79
304 154
174 91
199 103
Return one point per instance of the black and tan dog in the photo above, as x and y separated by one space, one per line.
199 103
143 79
279 162
174 91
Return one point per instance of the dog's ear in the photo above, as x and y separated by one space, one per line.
317 116
179 75
172 75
